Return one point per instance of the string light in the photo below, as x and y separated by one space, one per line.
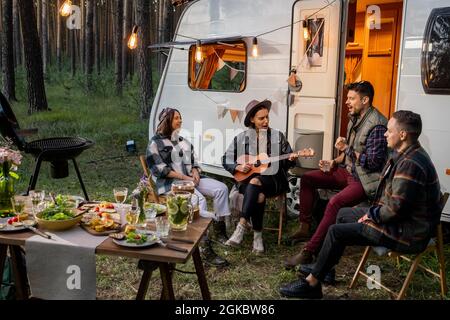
133 41
255 48
198 52
66 8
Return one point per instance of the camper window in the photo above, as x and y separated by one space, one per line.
222 67
436 53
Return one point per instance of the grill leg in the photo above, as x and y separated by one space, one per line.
33 178
81 180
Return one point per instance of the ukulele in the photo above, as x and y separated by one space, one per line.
261 162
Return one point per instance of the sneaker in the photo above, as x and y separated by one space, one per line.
258 245
303 257
330 277
301 289
237 237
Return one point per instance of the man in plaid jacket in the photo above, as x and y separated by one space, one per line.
405 213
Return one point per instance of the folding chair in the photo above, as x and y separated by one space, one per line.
436 245
153 195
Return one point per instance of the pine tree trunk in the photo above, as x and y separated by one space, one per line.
96 40
58 37
83 32
73 52
127 15
9 78
37 100
118 42
18 49
44 35
38 16
1 33
144 57
89 44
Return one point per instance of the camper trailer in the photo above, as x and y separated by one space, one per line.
299 55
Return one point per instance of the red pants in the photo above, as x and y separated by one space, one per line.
351 194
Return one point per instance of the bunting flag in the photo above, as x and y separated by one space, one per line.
234 114
220 64
221 111
233 73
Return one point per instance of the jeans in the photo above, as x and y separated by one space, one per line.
352 193
347 232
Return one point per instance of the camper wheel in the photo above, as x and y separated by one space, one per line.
292 202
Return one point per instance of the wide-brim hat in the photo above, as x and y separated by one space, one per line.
253 107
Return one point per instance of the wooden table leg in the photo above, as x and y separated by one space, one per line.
166 278
148 267
201 274
20 273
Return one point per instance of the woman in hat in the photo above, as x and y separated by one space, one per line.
259 138
170 157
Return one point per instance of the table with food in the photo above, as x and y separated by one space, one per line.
66 231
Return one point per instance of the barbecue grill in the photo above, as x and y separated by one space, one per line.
58 151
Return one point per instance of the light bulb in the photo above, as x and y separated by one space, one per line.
255 48
198 52
133 41
305 31
66 8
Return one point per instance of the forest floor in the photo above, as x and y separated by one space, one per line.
110 122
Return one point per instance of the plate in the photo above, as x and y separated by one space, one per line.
160 208
124 243
10 228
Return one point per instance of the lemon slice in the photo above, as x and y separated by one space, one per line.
173 208
184 207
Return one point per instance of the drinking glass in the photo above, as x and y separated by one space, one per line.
195 213
150 215
162 227
326 165
120 194
35 200
132 216
18 206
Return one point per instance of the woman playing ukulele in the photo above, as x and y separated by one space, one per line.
259 139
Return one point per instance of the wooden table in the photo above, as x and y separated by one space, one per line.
152 258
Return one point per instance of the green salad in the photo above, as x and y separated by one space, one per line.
137 238
60 210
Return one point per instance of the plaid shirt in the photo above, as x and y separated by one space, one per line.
407 202
373 158
165 155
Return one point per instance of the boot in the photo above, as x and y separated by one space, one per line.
220 231
237 237
258 245
210 257
301 234
303 257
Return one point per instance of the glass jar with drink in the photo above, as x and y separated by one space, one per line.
183 186
179 209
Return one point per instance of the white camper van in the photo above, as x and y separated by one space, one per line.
228 52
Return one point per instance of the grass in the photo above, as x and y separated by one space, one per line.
111 121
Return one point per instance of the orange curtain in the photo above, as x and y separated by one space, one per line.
208 68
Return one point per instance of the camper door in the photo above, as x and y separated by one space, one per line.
315 57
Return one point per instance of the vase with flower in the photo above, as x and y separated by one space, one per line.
9 161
